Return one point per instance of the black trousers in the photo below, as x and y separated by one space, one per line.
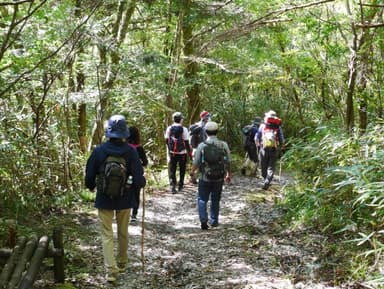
252 153
177 160
268 158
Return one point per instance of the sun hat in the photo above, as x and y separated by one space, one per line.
117 127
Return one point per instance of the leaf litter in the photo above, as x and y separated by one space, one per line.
250 249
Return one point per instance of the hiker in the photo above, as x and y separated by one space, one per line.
197 130
268 139
249 132
178 148
212 160
198 135
134 141
110 168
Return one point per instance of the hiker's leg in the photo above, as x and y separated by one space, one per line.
136 202
272 158
172 171
106 218
183 167
202 200
122 220
216 189
263 163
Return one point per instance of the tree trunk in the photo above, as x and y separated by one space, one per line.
358 71
108 76
191 66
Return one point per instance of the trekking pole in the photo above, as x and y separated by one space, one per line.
142 233
280 172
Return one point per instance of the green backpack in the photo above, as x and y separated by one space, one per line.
213 162
115 176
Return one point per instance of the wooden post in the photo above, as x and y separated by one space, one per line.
36 261
58 257
22 262
11 263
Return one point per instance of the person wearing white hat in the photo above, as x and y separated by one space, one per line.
268 139
212 160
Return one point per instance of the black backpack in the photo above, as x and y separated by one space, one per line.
213 162
249 132
114 176
195 131
175 142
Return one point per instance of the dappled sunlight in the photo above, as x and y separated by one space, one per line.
249 248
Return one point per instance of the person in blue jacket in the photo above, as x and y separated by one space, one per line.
117 133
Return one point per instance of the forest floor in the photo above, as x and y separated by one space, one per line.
252 247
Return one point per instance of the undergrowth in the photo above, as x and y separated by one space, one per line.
338 190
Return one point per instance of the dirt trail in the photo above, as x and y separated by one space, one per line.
250 249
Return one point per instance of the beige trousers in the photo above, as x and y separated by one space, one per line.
122 221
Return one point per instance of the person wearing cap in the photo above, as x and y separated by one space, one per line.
198 134
197 130
268 155
177 155
117 133
208 188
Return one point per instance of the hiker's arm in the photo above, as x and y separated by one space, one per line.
257 138
281 137
137 171
196 161
91 171
228 176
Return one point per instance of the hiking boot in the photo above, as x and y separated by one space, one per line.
122 267
133 218
265 185
204 226
111 277
181 187
214 224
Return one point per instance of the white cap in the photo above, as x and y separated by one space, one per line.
211 126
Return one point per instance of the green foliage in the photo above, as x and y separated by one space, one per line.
339 187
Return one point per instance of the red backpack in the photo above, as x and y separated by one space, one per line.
270 132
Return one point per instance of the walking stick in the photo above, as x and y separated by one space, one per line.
280 173
142 233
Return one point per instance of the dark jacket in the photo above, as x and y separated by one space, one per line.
95 165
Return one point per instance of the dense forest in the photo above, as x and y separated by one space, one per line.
66 66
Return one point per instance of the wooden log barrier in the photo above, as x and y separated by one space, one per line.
25 259
34 266
58 255
30 247
11 263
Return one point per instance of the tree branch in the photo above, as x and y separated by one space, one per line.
41 61
369 25
248 27
16 2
